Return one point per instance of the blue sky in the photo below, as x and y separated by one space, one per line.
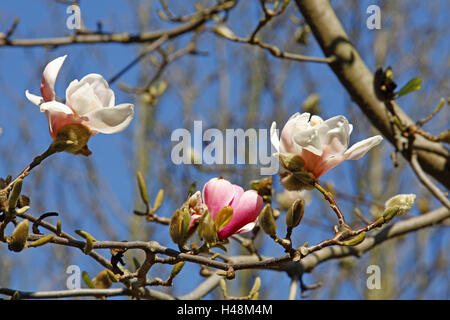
21 68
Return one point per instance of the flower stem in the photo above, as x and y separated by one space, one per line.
327 195
36 161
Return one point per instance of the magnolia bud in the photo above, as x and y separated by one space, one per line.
143 189
292 162
292 183
398 205
176 269
267 221
18 239
158 199
207 229
15 194
224 31
176 228
295 213
102 280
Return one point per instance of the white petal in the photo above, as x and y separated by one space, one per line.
337 127
274 136
99 85
110 120
248 227
359 149
83 100
37 100
309 140
315 121
301 120
334 135
55 106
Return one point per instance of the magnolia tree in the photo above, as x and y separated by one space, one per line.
163 210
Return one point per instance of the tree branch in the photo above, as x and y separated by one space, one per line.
358 80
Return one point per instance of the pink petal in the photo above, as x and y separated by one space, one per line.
49 77
238 192
246 211
217 194
58 115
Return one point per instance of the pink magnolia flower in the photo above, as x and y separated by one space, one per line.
321 144
219 193
89 102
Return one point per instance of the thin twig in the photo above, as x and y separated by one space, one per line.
150 48
427 182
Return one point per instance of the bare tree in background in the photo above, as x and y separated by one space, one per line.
205 62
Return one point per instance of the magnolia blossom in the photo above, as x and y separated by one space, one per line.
321 144
89 102
219 193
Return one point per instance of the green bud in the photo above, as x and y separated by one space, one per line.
176 227
292 162
398 205
267 221
176 269
255 288
354 241
295 213
41 241
15 194
87 280
58 228
207 229
89 240
223 31
158 199
223 286
306 178
296 181
102 280
22 209
143 189
18 239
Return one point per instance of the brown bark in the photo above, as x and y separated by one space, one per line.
357 79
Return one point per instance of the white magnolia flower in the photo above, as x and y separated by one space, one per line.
321 144
89 102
